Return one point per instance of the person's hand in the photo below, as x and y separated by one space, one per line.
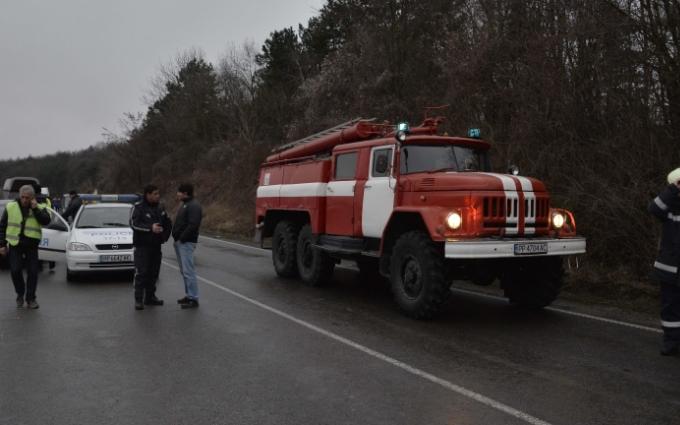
156 228
34 203
3 251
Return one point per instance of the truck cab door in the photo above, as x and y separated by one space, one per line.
378 201
340 195
54 239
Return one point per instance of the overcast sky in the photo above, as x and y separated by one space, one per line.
69 68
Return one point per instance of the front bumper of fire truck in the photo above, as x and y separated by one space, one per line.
514 247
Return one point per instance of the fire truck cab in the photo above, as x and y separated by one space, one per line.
418 208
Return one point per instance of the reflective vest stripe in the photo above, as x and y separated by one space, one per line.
673 217
659 203
665 267
670 324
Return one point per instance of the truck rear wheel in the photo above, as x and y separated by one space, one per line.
533 283
315 266
418 275
284 247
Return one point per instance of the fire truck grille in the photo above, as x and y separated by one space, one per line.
501 211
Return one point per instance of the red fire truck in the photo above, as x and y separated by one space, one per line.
420 209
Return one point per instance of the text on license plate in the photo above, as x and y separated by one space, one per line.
531 248
115 258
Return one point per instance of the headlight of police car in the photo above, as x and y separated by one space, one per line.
454 221
77 246
558 220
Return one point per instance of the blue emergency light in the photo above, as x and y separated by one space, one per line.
474 133
126 198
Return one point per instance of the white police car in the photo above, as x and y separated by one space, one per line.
100 238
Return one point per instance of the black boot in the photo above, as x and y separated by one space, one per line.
190 304
152 300
183 300
139 305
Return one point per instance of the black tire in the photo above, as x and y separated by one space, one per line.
284 248
70 276
314 266
533 283
418 275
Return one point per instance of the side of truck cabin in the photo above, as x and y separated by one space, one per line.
418 208
11 186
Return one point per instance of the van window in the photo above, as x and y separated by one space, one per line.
345 166
382 160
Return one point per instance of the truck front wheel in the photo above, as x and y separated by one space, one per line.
284 247
533 283
418 275
314 265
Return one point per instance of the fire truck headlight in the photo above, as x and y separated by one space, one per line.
454 221
557 220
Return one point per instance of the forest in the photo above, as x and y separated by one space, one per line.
582 94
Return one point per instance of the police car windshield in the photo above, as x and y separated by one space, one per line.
98 218
423 159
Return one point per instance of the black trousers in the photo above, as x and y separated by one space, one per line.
20 256
670 311
147 268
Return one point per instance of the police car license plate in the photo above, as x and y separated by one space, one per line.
531 248
115 258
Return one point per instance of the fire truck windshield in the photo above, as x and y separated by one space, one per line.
432 159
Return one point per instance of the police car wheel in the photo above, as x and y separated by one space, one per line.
284 249
70 276
418 275
533 283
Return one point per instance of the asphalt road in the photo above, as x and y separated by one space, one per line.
262 350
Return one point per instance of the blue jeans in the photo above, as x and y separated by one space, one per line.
185 259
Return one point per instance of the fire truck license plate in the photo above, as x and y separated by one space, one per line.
531 248
114 258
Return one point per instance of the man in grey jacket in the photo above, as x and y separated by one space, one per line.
185 234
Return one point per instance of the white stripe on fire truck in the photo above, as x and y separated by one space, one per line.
301 190
530 214
510 189
666 324
297 190
673 217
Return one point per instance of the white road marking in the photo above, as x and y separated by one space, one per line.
569 312
380 356
555 309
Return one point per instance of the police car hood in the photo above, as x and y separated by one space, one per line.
108 236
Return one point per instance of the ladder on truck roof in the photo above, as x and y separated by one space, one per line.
338 128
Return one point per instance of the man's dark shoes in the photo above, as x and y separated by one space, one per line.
670 348
183 300
190 304
33 304
153 301
20 302
139 305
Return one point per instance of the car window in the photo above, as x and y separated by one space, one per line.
345 166
382 160
97 218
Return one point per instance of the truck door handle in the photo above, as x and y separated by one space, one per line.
368 186
328 188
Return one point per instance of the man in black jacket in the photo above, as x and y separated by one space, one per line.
73 206
185 234
666 207
151 228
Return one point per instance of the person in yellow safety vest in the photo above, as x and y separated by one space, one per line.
21 233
